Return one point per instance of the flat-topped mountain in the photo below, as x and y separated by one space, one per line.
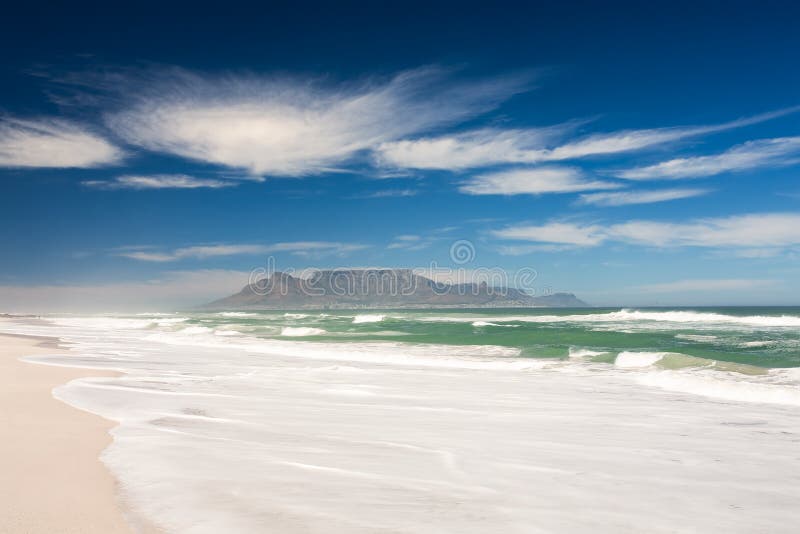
379 288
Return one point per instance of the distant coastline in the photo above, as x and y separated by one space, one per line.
381 288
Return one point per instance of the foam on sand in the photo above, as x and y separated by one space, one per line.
716 384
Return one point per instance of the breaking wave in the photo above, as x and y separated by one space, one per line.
368 318
302 331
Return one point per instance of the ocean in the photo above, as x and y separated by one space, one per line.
484 420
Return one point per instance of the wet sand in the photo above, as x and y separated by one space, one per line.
53 480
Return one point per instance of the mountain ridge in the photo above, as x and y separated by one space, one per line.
379 288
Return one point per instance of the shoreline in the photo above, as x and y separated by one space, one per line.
53 479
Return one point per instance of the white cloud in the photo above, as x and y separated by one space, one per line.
625 198
171 290
756 230
411 242
292 127
743 232
316 248
524 250
158 181
757 252
630 140
555 232
54 144
750 155
477 148
483 147
533 182
703 285
300 248
390 193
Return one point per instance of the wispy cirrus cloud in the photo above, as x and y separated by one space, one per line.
751 230
390 193
53 143
632 140
626 198
750 155
295 127
484 147
762 231
158 181
560 233
534 181
411 242
300 248
477 148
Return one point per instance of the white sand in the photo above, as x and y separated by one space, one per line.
52 480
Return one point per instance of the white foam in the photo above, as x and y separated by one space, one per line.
114 323
295 315
101 322
756 344
236 314
368 318
227 333
720 386
301 331
220 434
636 316
638 359
584 353
192 330
704 317
697 337
479 324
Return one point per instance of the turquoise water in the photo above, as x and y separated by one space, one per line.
756 336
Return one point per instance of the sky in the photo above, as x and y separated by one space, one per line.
631 153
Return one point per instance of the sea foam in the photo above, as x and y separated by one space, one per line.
301 331
368 318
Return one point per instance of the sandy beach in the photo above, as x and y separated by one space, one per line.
226 425
53 481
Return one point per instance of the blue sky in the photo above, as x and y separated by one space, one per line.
631 154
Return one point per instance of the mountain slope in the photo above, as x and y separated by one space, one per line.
378 288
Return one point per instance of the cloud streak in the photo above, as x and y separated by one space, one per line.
478 148
626 198
158 181
484 147
750 231
300 248
535 181
747 156
555 232
53 143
